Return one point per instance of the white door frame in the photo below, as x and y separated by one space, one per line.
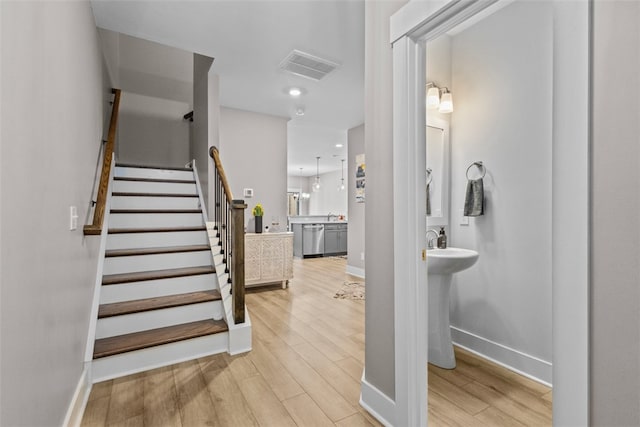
411 26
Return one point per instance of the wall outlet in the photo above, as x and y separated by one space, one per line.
73 218
361 256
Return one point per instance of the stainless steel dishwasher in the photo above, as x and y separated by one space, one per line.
312 239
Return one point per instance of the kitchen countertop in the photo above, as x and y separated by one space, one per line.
320 219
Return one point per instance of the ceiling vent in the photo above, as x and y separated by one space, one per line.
306 65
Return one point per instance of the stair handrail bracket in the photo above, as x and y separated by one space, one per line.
229 225
95 228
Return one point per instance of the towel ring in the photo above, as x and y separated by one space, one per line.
480 166
429 176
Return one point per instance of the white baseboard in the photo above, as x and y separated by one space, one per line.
355 271
240 336
524 364
73 418
377 403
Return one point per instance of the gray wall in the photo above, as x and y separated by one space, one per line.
615 316
355 251
156 81
378 132
204 128
151 131
505 298
52 121
253 149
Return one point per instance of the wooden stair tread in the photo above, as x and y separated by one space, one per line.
136 341
156 303
112 279
156 229
171 168
155 211
153 251
162 180
127 194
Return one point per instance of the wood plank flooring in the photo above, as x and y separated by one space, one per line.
305 370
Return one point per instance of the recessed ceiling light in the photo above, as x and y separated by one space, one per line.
339 145
299 111
294 91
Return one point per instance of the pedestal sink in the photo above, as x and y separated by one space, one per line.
441 265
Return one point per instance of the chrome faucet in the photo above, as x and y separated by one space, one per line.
430 244
331 216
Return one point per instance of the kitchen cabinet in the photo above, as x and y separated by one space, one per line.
335 239
319 239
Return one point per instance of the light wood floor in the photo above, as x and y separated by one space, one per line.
305 370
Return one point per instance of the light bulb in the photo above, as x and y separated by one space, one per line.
433 98
446 105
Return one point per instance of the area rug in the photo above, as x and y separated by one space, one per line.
350 290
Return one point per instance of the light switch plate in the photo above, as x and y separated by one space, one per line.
464 220
73 218
248 193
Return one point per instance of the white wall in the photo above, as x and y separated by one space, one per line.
356 239
253 150
52 106
503 117
151 131
615 316
328 199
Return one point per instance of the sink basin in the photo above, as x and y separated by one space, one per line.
441 265
450 260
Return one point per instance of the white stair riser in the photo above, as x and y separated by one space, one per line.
130 264
153 187
131 362
157 288
152 173
136 322
156 240
150 202
140 220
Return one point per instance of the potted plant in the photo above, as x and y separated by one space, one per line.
258 212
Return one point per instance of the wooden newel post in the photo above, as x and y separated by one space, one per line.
237 259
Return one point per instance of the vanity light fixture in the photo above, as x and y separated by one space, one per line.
341 187
444 104
316 185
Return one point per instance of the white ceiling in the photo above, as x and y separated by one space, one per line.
248 40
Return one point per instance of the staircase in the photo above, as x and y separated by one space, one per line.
159 300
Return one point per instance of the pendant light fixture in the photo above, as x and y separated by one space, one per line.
316 185
341 187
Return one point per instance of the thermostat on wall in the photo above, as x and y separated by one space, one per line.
248 192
